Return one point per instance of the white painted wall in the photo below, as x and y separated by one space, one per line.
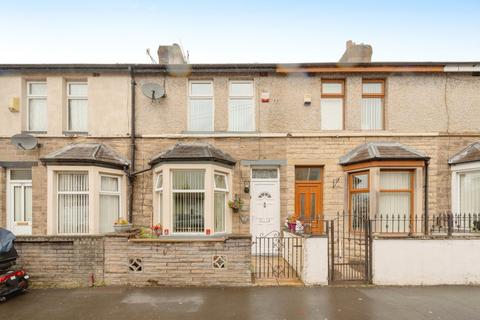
426 262
315 261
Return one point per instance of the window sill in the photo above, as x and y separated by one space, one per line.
75 133
34 132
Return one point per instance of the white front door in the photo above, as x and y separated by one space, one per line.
265 202
19 201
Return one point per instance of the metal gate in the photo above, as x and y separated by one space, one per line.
277 255
350 240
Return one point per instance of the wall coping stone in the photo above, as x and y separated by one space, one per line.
55 238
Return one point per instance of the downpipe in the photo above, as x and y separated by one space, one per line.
131 176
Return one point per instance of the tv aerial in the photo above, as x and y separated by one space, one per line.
153 90
25 141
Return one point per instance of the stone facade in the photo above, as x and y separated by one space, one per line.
79 261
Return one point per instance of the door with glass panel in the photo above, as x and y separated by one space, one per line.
309 196
19 201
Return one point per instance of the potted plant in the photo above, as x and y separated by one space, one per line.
291 223
157 230
235 204
122 225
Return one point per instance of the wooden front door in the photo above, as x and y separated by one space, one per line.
309 196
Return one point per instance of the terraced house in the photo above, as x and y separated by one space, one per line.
173 143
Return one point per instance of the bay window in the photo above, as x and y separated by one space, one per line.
470 192
192 198
359 189
109 202
396 199
73 202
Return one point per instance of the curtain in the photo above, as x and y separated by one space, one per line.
331 113
219 211
395 207
372 114
201 114
241 114
37 114
28 203
109 212
188 200
73 200
470 193
78 115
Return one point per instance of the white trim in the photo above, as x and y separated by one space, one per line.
252 98
200 97
30 96
456 171
253 167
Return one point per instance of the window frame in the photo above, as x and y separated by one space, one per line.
341 96
30 97
352 191
375 96
410 190
117 193
252 98
73 97
225 192
23 184
200 97
456 171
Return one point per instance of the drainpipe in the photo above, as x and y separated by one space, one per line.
131 177
425 183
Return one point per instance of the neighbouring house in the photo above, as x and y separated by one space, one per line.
307 140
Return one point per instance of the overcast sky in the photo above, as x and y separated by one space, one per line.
107 31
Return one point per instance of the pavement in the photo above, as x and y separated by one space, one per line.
452 302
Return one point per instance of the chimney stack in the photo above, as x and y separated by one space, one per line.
357 53
170 54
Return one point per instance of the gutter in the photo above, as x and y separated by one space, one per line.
131 177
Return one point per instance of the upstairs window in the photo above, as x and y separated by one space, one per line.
37 106
373 95
200 106
241 106
331 104
77 108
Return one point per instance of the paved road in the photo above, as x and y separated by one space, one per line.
247 303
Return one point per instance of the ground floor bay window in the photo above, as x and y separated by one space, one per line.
466 189
192 198
84 200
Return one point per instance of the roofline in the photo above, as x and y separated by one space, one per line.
310 67
83 162
178 159
384 159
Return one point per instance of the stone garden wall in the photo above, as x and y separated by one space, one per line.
80 261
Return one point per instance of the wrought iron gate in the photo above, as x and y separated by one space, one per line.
277 255
350 240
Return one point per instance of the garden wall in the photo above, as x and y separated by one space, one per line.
80 261
426 261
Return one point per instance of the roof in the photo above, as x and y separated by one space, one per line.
372 151
86 153
469 154
404 66
193 152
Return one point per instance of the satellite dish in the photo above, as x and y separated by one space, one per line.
153 90
24 141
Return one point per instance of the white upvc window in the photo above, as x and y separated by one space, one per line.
73 202
373 96
220 201
159 193
84 199
192 198
19 201
241 106
37 106
109 202
331 104
201 106
77 106
466 188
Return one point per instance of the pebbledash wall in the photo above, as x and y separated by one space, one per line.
79 261
295 150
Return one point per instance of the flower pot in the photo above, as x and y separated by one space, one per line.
158 233
291 226
121 228
235 210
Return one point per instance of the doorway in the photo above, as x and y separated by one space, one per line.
19 201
